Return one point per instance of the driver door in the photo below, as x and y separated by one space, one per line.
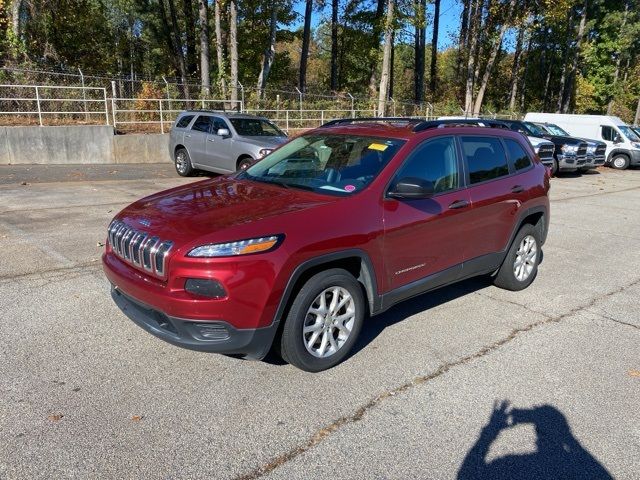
427 237
218 150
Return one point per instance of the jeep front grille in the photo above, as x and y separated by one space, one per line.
138 248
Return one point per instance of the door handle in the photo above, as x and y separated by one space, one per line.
188 136
517 189
210 140
458 204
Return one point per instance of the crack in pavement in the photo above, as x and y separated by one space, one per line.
594 194
41 274
621 322
360 412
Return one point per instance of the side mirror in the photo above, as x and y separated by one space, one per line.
223 132
617 138
411 188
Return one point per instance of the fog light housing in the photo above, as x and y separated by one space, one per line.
212 331
205 287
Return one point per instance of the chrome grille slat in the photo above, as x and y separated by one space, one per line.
138 248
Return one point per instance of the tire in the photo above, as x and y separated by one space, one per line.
555 168
182 162
620 162
512 277
244 163
296 345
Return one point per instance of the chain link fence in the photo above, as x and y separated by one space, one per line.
134 104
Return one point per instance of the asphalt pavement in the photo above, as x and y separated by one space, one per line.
467 382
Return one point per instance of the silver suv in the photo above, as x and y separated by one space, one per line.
221 142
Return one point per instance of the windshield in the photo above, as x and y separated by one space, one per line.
534 130
325 163
256 127
629 133
556 130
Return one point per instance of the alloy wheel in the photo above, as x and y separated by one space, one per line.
328 322
181 161
526 258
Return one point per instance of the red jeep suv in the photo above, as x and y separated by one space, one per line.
336 225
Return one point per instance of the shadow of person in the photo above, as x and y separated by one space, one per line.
559 455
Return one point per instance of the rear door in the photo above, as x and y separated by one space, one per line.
219 151
496 190
427 236
195 139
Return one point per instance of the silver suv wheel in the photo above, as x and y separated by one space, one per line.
182 163
328 322
526 258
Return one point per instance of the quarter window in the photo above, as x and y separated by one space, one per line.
434 161
203 124
517 155
184 121
485 158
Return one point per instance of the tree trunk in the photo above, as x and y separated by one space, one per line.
334 45
565 61
16 7
393 63
182 66
219 50
233 47
306 39
190 29
492 58
386 59
168 37
434 50
205 72
636 120
515 71
419 43
570 86
525 75
463 39
476 7
373 67
269 52
618 60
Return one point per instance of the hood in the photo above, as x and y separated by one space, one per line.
592 142
535 141
186 213
560 139
265 142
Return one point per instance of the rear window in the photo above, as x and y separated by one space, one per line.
517 155
184 121
485 158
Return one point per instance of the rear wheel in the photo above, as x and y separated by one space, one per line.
183 163
554 168
620 162
520 266
324 321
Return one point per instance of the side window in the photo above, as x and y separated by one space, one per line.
202 124
184 121
485 158
608 133
218 123
435 161
517 154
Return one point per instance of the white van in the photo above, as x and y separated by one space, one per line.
623 144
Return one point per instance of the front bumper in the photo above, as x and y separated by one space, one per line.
567 163
593 161
207 336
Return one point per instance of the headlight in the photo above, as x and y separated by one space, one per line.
570 149
591 150
241 247
264 152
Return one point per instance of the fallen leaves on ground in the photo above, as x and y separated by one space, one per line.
56 417
634 373
137 418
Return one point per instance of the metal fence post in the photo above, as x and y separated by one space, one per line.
161 118
353 111
287 120
429 111
113 102
167 88
321 117
84 96
300 96
38 102
106 107
241 98
393 102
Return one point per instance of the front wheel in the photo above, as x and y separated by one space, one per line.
324 321
620 162
244 163
183 163
520 266
555 168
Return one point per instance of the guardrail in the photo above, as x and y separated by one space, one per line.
32 100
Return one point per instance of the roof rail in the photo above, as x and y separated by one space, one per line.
345 121
476 122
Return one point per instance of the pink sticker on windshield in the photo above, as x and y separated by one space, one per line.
349 188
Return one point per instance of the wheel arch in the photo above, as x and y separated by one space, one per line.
618 151
538 217
355 261
241 157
